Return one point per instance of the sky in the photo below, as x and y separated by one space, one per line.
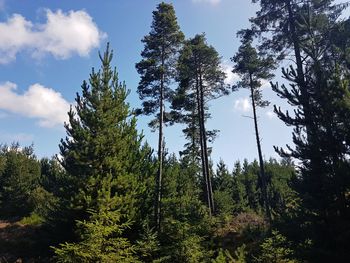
47 49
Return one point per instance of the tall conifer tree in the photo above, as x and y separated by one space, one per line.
319 91
253 68
201 79
283 18
157 70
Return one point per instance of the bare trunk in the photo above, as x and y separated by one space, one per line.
204 167
160 153
205 147
261 161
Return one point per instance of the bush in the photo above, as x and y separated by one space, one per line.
276 249
34 220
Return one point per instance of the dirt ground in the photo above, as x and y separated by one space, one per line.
21 243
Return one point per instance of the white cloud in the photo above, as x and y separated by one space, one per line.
63 35
231 77
265 84
242 104
38 102
270 114
213 2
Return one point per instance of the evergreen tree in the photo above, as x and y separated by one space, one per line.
157 70
253 69
283 198
285 18
223 186
320 140
238 190
186 223
19 179
201 79
250 176
107 165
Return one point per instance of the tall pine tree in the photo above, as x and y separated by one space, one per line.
253 69
157 70
318 89
200 79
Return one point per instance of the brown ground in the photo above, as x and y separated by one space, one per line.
21 243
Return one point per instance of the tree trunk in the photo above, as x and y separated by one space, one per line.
205 147
261 161
305 98
160 153
204 167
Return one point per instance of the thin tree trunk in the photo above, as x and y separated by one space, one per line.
204 136
160 153
204 167
261 161
193 136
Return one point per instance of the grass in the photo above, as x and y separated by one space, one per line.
32 220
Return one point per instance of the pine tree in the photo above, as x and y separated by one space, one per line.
284 19
107 167
253 69
238 190
101 237
223 185
250 175
201 79
19 178
319 134
156 69
185 216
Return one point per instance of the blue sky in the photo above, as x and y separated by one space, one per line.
47 48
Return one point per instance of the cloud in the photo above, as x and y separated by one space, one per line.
231 77
270 114
242 104
38 102
213 2
265 84
62 35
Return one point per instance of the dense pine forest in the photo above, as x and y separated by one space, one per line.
108 196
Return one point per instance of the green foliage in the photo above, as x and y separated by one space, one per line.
107 171
200 79
101 241
318 88
19 179
276 249
158 59
249 179
224 257
240 254
223 190
33 219
103 144
147 246
96 203
252 67
42 201
185 220
157 70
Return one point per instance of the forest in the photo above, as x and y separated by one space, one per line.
108 196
